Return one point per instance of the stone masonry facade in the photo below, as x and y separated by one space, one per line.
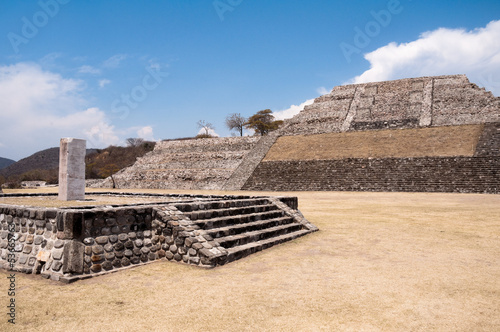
447 174
68 244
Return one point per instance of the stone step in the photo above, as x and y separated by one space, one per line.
238 252
239 219
258 235
210 205
215 213
248 227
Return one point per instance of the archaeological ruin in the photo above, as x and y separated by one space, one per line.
80 241
427 134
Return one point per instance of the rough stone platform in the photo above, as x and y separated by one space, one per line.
78 242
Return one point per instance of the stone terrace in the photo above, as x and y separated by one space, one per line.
462 159
83 241
187 164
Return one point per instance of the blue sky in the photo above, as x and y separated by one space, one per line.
108 70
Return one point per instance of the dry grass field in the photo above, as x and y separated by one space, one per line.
380 262
422 142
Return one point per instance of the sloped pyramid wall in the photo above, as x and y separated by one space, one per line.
430 134
185 164
406 103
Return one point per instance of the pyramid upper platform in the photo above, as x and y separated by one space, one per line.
405 103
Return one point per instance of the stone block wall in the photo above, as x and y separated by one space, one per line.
68 244
448 159
489 142
74 243
31 240
431 174
122 237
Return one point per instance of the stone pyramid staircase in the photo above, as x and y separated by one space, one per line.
240 227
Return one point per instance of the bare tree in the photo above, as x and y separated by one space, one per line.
134 141
207 126
236 122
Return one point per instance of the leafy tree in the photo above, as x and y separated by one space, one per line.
90 170
207 126
134 141
120 156
236 122
263 122
109 170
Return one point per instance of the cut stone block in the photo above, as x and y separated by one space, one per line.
72 169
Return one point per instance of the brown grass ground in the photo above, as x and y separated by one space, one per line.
422 142
380 262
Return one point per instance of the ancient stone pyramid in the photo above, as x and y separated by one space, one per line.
436 134
406 103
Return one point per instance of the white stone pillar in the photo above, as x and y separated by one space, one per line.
72 169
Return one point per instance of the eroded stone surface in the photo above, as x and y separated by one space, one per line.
72 169
183 231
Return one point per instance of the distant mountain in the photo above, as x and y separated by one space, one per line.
4 162
100 163
42 160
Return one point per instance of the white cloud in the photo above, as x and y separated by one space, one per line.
40 107
89 70
322 91
101 134
211 132
114 61
104 82
146 133
443 51
292 110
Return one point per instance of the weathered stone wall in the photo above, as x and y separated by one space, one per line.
463 159
31 241
116 238
406 103
447 174
489 143
73 243
188 164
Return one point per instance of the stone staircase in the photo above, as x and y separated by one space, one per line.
245 169
242 227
